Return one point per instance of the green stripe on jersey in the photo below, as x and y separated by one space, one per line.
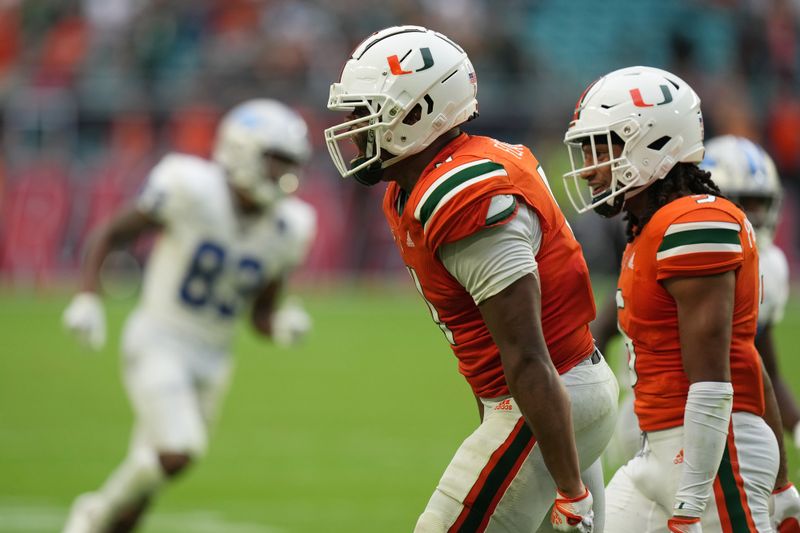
699 236
432 202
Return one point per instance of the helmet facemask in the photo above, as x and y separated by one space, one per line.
607 202
364 133
762 212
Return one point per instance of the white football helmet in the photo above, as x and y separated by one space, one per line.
743 170
251 131
655 114
406 85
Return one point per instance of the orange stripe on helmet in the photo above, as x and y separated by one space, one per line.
577 113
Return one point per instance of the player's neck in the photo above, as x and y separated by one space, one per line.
408 171
644 205
638 205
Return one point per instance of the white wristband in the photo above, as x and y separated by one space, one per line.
705 428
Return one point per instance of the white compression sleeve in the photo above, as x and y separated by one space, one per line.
705 429
487 262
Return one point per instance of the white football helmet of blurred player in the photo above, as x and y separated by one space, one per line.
656 118
746 174
404 87
251 132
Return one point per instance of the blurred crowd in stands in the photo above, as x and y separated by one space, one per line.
93 92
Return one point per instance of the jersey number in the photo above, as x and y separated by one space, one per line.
434 313
201 285
626 340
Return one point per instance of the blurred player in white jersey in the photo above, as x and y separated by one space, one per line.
229 233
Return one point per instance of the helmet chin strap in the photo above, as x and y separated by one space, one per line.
370 175
609 208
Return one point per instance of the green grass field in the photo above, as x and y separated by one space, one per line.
348 433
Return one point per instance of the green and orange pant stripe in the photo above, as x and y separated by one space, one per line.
494 479
734 512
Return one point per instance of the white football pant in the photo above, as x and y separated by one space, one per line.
175 385
641 494
498 482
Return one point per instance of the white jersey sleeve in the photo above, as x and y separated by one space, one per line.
297 221
163 197
775 279
489 261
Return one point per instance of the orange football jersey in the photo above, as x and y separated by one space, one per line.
696 235
450 201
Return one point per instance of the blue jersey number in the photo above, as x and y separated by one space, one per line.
208 263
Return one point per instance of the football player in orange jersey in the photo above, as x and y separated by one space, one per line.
687 303
503 277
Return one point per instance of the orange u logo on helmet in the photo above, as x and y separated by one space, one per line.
397 70
638 101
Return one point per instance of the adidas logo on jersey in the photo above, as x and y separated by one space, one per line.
409 241
505 405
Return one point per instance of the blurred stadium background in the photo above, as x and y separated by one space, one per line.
351 431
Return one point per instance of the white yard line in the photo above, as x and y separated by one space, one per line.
39 517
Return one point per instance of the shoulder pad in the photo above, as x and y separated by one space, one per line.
702 239
456 201
449 182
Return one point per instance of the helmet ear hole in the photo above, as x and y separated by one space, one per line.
413 116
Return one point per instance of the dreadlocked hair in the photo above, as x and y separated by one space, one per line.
683 179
